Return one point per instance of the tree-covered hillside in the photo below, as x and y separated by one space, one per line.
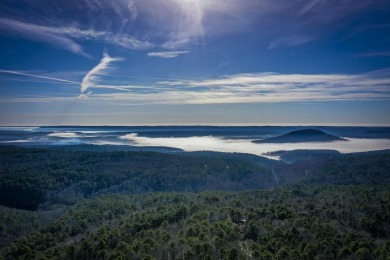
41 177
66 204
296 222
30 177
357 168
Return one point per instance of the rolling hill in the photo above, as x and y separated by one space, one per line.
302 136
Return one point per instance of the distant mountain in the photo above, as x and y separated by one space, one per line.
302 136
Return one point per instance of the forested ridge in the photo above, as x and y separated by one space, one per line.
64 204
30 177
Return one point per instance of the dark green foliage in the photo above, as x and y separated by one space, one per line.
14 222
305 155
318 222
355 169
29 177
139 205
359 168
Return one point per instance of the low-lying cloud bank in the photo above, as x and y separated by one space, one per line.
64 135
211 143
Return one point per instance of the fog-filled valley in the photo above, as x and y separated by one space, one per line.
109 202
253 140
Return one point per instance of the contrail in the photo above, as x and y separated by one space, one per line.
37 76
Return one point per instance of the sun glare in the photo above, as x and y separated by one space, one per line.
190 2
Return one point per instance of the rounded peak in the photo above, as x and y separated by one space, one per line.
308 131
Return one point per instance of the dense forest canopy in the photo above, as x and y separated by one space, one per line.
77 204
295 222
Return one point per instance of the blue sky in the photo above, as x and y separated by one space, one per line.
151 62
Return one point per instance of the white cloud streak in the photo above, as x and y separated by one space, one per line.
263 87
166 54
65 37
237 88
93 76
41 34
38 76
64 134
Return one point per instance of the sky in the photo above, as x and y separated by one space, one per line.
195 62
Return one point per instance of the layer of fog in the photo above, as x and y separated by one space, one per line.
211 143
17 128
64 135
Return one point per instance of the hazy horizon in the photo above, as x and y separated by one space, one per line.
205 125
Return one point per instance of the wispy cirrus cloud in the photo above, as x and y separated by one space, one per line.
174 24
274 87
92 78
290 41
366 28
166 54
68 25
41 34
306 21
66 37
236 88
